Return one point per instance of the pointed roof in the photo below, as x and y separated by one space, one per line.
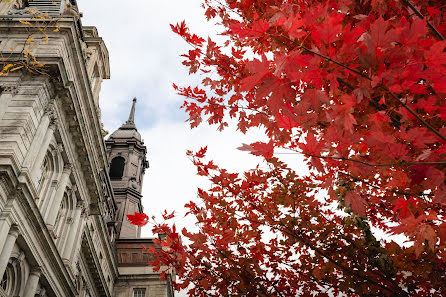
130 124
128 129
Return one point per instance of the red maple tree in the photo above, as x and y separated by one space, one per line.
358 88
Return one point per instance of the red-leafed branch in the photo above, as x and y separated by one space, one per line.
418 13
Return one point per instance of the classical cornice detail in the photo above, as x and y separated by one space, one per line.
9 89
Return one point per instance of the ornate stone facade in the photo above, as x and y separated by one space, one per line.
63 230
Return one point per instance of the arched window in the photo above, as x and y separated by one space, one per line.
117 168
8 280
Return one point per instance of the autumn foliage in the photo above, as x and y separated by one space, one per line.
358 88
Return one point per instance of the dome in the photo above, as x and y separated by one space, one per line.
125 134
128 130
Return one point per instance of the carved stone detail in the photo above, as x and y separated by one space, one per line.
60 148
19 7
10 89
67 168
20 4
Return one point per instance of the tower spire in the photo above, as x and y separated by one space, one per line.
131 121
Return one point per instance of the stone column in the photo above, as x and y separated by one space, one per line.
78 239
7 248
32 282
41 153
36 144
54 205
4 227
74 228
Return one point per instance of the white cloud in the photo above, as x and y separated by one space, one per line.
144 53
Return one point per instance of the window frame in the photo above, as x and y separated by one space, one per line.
114 168
138 291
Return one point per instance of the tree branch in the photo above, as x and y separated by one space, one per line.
418 13
356 179
400 163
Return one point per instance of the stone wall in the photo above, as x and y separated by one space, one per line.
54 240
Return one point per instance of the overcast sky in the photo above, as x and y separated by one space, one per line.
144 59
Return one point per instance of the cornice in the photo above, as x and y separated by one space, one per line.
94 264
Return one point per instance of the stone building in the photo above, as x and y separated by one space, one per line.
64 191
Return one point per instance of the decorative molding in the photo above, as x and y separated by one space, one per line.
60 148
85 211
80 204
7 185
19 7
49 109
14 231
20 257
53 124
67 168
15 192
10 89
36 270
20 4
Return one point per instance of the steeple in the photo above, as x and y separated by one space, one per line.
130 124
128 129
127 157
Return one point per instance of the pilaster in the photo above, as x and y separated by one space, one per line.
32 282
58 196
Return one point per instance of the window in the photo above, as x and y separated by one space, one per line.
117 168
44 173
139 292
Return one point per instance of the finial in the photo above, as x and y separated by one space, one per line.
131 120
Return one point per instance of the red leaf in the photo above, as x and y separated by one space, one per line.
436 57
138 219
258 28
202 152
440 197
259 68
312 146
401 206
357 203
424 233
442 233
259 149
315 97
349 121
168 216
284 122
